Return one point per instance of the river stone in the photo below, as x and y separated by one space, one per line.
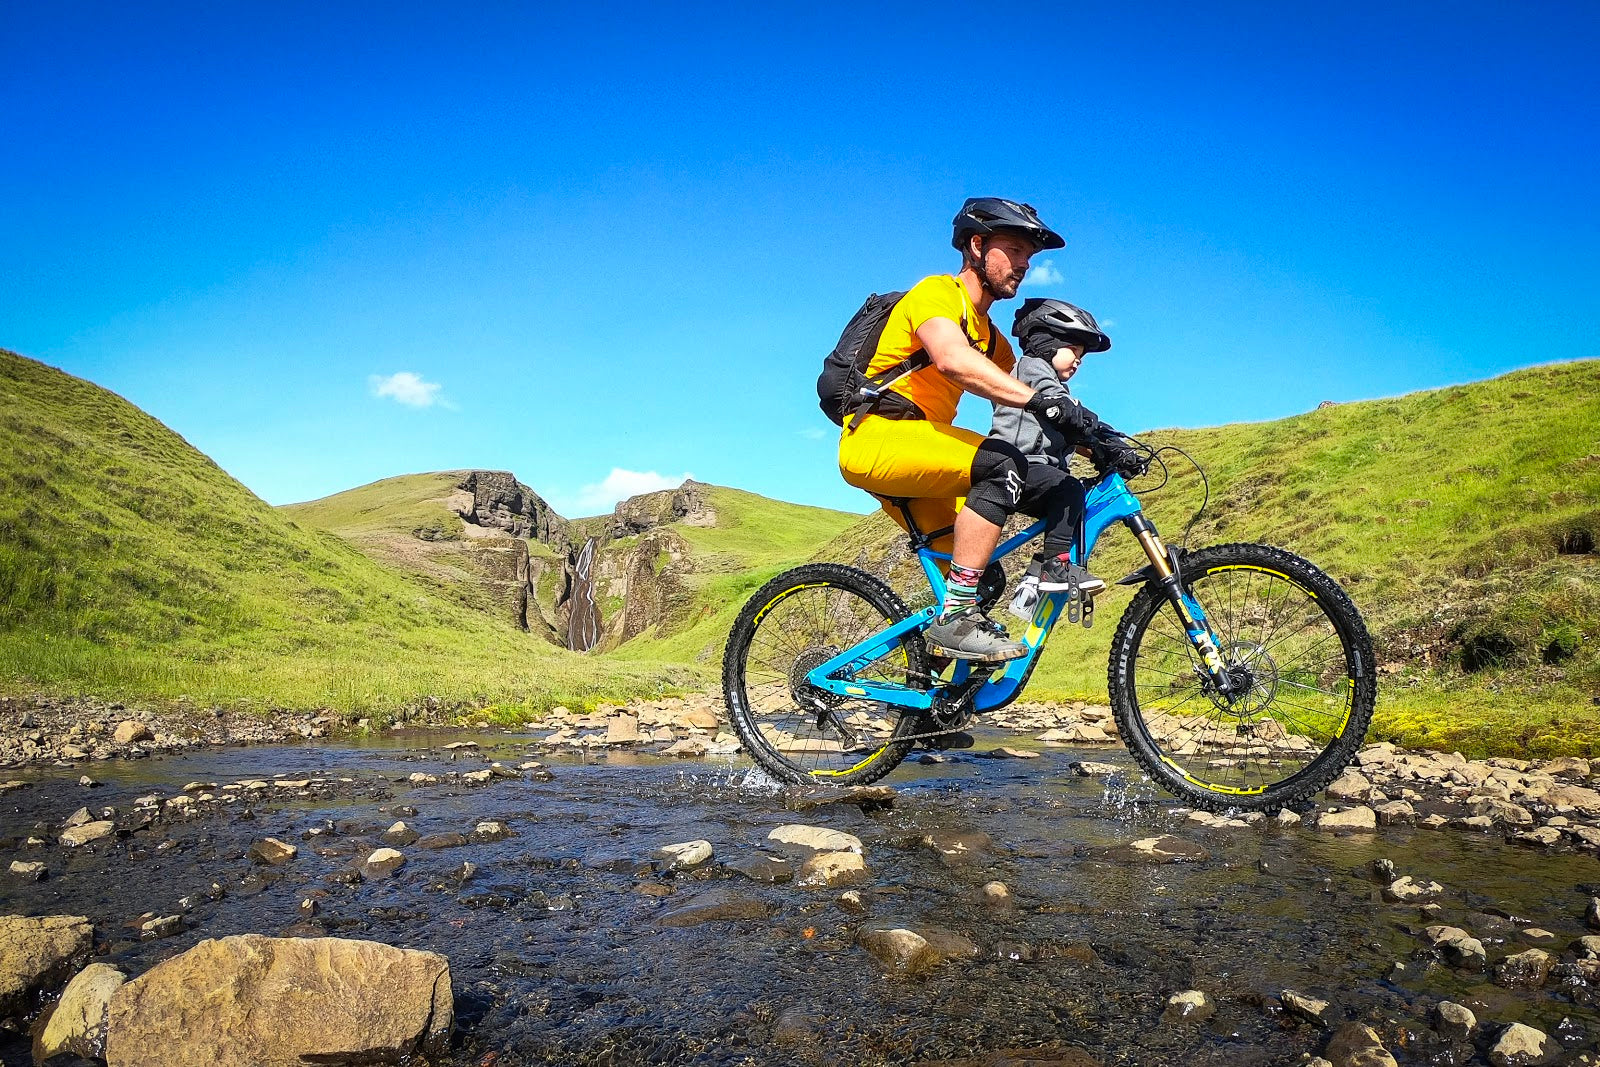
130 730
1091 769
382 862
29 871
449 839
1008 752
1357 1045
868 798
1587 946
1407 890
1162 849
491 830
1191 1005
1395 812
714 906
37 953
623 730
958 846
272 852
1309 1008
1568 766
1458 946
1285 817
1351 785
477 777
400 835
1501 811
1455 1023
799 839
420 778
683 856
77 1023
254 1001
904 952
995 894
89 831
1543 837
769 869
1581 798
1521 1046
825 870
1360 818
77 818
1524 970
688 747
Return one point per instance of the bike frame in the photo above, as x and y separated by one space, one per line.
1108 500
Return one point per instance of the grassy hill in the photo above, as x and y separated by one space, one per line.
1462 521
132 566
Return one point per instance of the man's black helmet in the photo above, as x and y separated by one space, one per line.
990 214
1039 321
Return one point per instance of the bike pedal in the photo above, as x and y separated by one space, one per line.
1088 612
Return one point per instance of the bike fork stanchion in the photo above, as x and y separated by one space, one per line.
1189 613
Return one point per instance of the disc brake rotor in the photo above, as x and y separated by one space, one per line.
1254 677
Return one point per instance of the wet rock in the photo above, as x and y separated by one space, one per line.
450 839
1285 817
1454 1022
1568 767
1542 837
1537 935
381 863
959 846
683 856
399 835
687 748
281 1002
1501 811
904 952
1521 1046
420 778
1481 823
38 954
799 839
88 783
995 894
716 905
1008 752
1395 813
653 889
1591 917
29 871
457 746
1162 849
477 777
826 870
491 830
1357 1045
1524 970
1384 870
1578 798
1191 1005
1055 1054
868 798
77 1024
162 926
852 901
272 852
1587 946
500 770
1358 819
1407 890
1091 769
1309 1008
1460 948
77 836
130 731
767 869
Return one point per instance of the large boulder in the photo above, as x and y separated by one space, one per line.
254 1001
38 954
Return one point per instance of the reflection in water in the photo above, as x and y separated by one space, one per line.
557 957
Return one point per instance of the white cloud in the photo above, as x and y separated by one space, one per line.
406 388
620 484
1106 324
814 433
1044 273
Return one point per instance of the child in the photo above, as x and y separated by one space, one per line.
1054 337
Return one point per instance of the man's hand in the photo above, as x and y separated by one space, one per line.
1059 409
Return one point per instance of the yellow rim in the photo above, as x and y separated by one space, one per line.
1263 570
785 593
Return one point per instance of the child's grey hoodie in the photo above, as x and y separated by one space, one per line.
1040 443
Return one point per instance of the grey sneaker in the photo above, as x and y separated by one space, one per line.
970 634
1059 576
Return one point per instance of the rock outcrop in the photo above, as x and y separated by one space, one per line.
254 1001
687 504
496 500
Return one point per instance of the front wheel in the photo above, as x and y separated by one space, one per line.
796 622
1302 671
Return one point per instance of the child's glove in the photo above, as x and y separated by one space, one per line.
1059 409
1112 453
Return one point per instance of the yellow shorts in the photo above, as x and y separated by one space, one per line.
928 462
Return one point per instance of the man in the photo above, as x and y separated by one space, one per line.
904 445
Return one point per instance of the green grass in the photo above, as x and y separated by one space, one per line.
132 566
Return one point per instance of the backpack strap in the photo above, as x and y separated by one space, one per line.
870 396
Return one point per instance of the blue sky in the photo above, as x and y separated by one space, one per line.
607 244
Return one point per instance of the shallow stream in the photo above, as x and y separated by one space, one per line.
558 956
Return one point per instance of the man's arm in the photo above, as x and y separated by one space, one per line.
947 346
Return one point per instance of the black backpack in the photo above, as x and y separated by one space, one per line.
844 388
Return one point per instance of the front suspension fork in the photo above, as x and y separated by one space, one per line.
1193 617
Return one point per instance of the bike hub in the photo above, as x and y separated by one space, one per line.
805 694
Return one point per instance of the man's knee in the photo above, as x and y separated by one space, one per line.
999 478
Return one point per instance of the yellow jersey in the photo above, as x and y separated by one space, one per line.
939 296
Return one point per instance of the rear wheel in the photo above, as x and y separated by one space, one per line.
1299 655
797 732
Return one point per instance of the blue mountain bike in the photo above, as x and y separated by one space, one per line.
1241 676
